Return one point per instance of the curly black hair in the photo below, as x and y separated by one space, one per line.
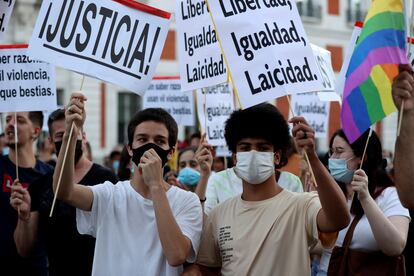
263 121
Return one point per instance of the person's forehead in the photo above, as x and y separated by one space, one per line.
253 141
187 156
57 126
340 142
151 128
19 114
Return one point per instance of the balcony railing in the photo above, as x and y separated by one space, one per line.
355 13
310 10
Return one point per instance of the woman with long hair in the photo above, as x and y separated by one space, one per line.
383 224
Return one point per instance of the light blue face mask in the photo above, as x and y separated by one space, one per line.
339 170
115 166
5 151
189 176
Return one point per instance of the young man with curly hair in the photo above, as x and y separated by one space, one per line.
268 230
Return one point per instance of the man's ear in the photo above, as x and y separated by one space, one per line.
129 149
36 132
171 153
278 156
234 159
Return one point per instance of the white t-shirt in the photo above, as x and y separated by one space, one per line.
363 239
125 227
226 184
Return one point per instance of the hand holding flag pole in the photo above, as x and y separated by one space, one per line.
64 159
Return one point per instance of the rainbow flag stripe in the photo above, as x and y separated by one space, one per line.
374 64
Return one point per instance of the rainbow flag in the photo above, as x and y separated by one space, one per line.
374 64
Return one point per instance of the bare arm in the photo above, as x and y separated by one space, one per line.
25 234
76 195
176 247
390 232
403 88
334 215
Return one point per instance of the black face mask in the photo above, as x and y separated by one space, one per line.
139 152
78 150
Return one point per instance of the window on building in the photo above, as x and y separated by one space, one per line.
309 9
128 105
357 9
60 96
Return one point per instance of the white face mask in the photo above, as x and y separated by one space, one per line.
255 167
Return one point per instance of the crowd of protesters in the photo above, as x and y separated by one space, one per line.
163 207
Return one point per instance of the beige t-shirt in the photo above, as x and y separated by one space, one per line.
270 237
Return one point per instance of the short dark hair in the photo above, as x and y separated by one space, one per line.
158 115
36 117
196 135
181 152
57 115
374 165
263 121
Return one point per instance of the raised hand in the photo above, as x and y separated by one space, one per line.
403 88
75 111
204 156
360 185
304 135
151 168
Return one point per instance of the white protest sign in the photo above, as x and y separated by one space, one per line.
329 97
266 48
324 62
25 84
118 41
6 9
340 82
316 112
201 61
46 114
165 92
214 106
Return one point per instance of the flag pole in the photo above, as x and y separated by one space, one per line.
64 158
305 154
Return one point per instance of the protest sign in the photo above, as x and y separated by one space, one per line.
25 84
329 97
323 60
46 114
6 9
214 106
340 82
316 112
118 41
201 61
165 92
266 48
